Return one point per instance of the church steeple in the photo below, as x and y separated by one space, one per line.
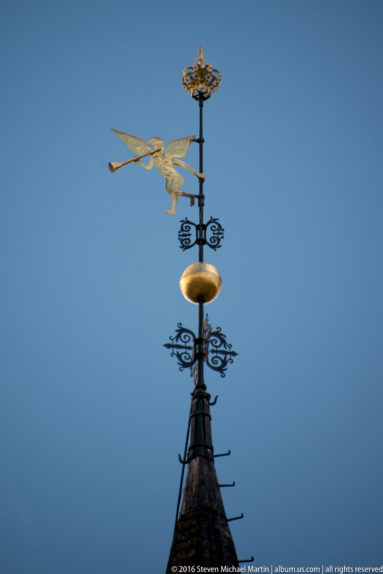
202 536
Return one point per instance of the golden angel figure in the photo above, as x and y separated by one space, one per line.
163 160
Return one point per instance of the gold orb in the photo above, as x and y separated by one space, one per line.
200 283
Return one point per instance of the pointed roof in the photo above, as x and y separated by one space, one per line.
201 536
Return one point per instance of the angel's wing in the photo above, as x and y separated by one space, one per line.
136 145
180 147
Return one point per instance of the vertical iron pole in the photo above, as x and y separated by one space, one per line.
201 202
201 198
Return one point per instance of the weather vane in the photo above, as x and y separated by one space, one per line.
163 160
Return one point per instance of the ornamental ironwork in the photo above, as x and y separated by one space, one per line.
212 347
183 347
210 233
220 352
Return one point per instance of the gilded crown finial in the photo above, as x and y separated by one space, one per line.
201 80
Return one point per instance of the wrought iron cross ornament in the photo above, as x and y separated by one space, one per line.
213 347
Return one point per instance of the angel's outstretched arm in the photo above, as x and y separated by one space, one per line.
186 166
147 166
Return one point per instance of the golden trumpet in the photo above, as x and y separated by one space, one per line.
115 166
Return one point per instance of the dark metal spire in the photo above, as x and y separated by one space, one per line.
201 536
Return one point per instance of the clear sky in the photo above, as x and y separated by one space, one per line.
93 410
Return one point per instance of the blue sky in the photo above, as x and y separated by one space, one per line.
93 409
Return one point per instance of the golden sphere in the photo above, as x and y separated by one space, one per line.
200 283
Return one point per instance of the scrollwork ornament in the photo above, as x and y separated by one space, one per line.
182 347
217 233
220 352
185 233
217 353
211 234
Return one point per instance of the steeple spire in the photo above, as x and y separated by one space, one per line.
202 536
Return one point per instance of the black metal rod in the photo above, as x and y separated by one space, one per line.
201 378
236 518
182 475
201 196
248 560
200 382
228 453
